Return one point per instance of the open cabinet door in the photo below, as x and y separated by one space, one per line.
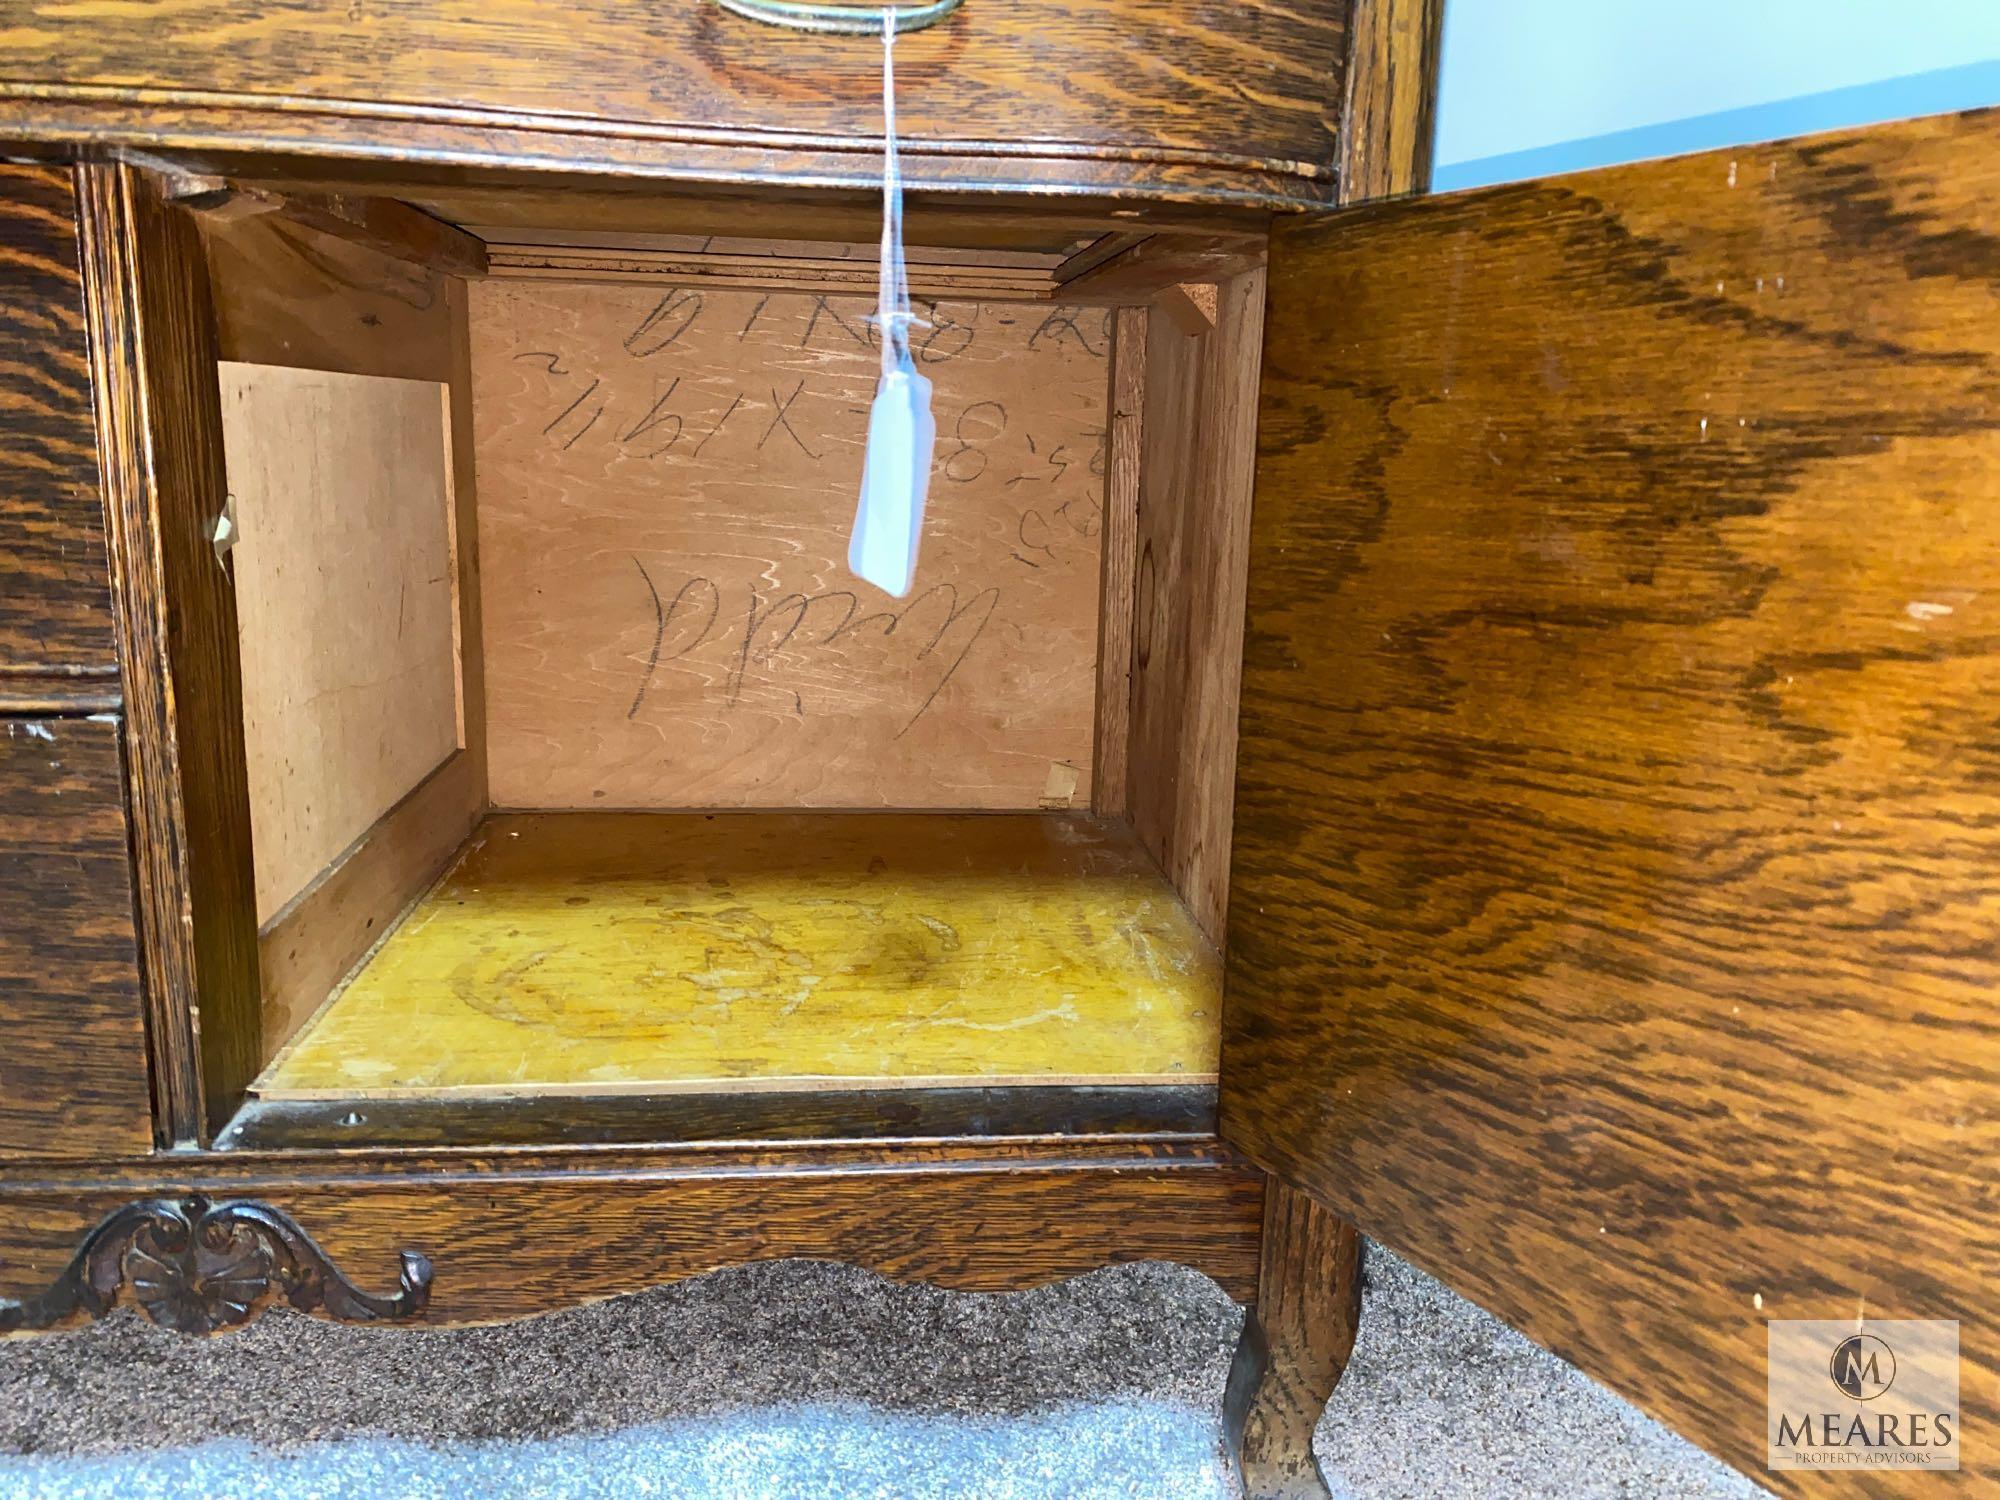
1615 911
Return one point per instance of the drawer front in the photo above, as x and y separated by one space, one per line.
1214 97
72 1034
55 596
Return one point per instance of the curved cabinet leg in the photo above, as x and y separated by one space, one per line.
1295 1344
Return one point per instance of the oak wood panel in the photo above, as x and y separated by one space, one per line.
159 430
55 582
667 488
72 1028
1198 455
1390 124
1237 99
1124 451
1613 910
525 1234
34 694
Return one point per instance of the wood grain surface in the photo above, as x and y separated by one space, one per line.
1119 546
345 601
311 946
1226 100
1613 914
159 436
287 294
532 1232
72 1027
1390 125
55 581
722 953
1196 466
1309 1311
667 485
382 225
726 262
509 206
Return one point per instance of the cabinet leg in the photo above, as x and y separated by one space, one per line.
1295 1344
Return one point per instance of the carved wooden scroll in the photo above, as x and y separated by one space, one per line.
198 1267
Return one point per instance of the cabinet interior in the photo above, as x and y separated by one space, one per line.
580 768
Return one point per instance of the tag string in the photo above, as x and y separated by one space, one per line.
892 311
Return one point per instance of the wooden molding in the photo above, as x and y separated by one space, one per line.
1161 263
383 225
830 276
1390 119
1070 1111
1106 247
46 692
306 949
1120 551
980 1215
159 432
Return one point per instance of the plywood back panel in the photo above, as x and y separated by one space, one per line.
667 479
347 602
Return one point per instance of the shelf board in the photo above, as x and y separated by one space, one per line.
664 953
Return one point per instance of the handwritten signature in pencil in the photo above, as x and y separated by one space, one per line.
942 625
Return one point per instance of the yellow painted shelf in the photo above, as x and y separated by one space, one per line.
687 952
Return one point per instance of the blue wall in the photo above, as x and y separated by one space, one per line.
1532 87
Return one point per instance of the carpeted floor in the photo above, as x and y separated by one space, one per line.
812 1381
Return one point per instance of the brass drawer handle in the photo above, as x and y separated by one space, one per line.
841 20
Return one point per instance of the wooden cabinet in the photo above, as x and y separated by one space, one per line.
56 633
1235 102
73 1068
73 1061
1561 799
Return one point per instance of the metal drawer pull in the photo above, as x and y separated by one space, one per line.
842 20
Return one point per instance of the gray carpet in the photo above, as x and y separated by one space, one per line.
817 1381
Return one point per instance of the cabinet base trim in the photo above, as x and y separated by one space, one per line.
199 1266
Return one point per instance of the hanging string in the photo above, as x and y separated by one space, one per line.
893 315
902 430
